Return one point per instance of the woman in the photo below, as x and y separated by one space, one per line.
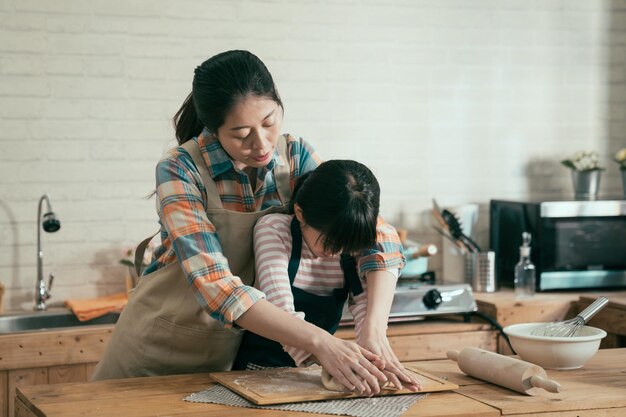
232 167
304 264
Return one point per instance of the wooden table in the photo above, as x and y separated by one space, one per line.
599 389
70 355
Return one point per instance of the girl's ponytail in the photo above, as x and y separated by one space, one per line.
296 189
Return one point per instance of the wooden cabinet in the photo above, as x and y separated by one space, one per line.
48 357
431 339
546 307
612 319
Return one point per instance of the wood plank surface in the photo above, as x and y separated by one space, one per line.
542 307
446 404
159 396
116 389
439 405
89 368
431 339
435 346
611 318
446 370
617 300
293 385
547 307
24 377
425 326
67 373
4 394
600 384
51 348
21 410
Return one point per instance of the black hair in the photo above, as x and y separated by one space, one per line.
341 200
219 84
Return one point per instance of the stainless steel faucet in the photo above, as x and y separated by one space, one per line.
50 224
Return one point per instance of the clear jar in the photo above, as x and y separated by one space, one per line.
525 271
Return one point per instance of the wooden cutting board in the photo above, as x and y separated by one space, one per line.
291 385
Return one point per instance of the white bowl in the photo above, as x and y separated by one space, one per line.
554 352
413 267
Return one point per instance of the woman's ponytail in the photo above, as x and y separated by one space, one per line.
186 121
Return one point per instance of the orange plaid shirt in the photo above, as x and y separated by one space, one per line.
189 237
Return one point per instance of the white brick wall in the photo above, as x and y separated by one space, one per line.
462 100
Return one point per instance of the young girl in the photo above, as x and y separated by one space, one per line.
308 263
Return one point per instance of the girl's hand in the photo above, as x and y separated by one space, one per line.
351 365
377 342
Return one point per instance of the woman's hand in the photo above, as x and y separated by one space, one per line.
376 342
372 333
352 366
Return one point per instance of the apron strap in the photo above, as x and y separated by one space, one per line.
141 249
191 146
281 172
347 262
296 249
213 196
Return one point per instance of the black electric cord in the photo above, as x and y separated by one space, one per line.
494 323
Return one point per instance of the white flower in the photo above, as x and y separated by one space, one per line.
583 161
620 158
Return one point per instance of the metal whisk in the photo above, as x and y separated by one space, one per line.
570 328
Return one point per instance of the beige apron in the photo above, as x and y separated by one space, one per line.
163 330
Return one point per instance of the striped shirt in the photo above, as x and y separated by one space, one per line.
189 237
320 276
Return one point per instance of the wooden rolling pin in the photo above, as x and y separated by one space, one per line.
505 371
425 250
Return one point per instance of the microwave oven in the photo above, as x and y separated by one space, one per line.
574 244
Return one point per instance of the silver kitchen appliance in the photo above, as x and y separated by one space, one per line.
575 244
417 300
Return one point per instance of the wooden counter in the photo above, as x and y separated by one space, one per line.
598 389
69 355
611 318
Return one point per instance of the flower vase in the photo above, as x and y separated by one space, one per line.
586 184
623 171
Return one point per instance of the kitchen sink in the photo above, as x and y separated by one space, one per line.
46 320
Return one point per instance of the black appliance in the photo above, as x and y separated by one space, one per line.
575 244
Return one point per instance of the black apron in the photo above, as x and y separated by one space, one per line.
322 311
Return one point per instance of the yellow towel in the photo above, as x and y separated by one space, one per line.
91 308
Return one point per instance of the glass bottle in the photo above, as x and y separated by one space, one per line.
524 270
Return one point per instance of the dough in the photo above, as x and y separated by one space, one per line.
330 384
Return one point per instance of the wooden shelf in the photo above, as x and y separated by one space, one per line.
547 307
